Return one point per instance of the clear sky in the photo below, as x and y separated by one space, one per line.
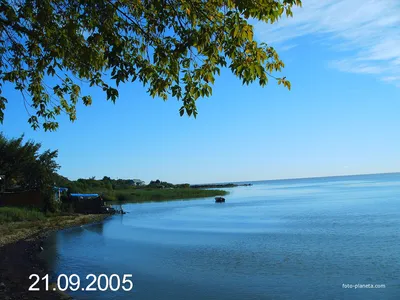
341 117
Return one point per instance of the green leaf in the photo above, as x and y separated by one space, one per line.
173 48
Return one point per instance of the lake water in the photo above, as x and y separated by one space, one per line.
285 239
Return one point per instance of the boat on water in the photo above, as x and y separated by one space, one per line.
219 200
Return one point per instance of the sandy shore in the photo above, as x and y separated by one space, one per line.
19 259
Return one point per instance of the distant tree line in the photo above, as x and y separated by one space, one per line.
91 184
107 184
157 184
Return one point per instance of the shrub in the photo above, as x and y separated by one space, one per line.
109 197
122 197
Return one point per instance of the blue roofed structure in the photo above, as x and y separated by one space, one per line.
86 203
84 195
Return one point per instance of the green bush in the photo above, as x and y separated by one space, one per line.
67 207
109 196
16 214
50 205
122 197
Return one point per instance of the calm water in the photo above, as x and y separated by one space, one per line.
287 239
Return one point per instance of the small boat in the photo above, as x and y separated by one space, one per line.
219 200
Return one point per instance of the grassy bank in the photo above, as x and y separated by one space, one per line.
20 223
127 190
15 214
146 195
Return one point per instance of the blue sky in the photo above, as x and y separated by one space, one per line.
341 117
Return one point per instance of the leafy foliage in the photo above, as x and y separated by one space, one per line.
157 184
174 48
105 185
24 167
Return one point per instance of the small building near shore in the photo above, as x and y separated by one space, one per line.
58 191
86 203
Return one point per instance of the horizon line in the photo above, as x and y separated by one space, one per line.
298 178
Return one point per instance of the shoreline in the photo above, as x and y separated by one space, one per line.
19 259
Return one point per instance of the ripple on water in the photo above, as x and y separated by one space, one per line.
298 240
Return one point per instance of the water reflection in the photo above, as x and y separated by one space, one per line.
57 243
96 228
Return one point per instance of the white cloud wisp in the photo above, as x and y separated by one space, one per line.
366 33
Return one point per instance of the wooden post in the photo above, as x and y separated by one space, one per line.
2 183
